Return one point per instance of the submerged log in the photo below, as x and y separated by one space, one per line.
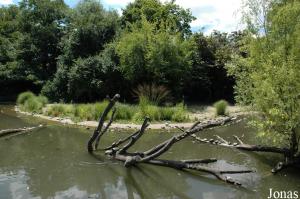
291 158
18 131
119 150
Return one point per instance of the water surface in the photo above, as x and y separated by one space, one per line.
52 162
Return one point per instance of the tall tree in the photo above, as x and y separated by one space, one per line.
273 70
86 59
163 14
151 56
42 23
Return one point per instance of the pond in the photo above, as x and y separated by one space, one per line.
52 162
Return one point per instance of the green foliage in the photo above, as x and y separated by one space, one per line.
151 56
87 64
180 113
221 107
29 102
175 17
208 75
32 105
158 113
153 93
42 25
125 111
60 110
23 97
273 70
83 53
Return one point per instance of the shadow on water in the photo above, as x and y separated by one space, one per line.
52 162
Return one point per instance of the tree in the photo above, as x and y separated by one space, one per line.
87 65
42 24
163 14
208 75
155 56
12 78
273 70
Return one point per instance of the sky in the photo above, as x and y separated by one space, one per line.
211 15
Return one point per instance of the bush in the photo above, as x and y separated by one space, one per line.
167 113
85 111
180 113
221 107
23 97
125 111
31 103
154 94
98 109
57 110
44 100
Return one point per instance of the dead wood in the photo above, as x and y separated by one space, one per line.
120 150
289 154
19 131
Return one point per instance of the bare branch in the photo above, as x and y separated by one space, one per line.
18 131
238 139
101 122
121 141
106 128
135 137
242 146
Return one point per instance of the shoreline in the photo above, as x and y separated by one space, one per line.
204 116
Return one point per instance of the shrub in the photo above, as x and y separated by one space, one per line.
33 105
57 110
153 112
153 93
44 100
30 102
138 117
85 111
98 109
125 111
221 107
180 113
167 113
22 97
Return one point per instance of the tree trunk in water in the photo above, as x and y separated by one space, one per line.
119 150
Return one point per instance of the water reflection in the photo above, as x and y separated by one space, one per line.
52 162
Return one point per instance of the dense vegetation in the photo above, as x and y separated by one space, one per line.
82 54
268 78
29 102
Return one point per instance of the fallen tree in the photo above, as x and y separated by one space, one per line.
291 155
119 149
7 133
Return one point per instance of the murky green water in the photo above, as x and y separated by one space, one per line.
52 162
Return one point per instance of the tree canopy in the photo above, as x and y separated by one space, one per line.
84 53
268 77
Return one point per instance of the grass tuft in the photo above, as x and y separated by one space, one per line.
221 107
28 101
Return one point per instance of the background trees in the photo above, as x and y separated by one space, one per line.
148 55
83 53
84 63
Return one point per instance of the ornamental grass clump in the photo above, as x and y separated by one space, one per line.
221 107
28 101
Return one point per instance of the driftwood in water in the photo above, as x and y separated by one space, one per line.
291 157
119 149
14 132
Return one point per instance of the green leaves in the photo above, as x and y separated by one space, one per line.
152 56
269 77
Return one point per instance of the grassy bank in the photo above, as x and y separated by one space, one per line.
82 112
